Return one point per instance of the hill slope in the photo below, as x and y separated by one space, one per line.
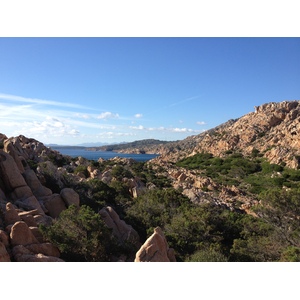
273 130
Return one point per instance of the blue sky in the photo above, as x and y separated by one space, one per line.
110 90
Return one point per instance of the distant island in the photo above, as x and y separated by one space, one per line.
148 146
58 147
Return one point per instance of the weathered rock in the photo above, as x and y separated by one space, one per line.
30 203
45 248
3 137
55 205
28 213
21 193
38 258
70 197
43 220
106 177
155 249
15 184
11 215
136 186
10 149
4 256
4 238
9 172
49 168
22 254
122 231
35 185
29 220
21 234
37 234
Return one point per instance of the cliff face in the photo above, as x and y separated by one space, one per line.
273 130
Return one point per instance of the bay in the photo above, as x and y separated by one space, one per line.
95 155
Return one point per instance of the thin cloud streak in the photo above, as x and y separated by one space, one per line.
184 101
41 101
170 129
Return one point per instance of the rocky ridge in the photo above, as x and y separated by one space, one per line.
272 129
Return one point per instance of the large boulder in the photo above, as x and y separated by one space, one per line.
55 205
155 249
21 234
10 149
35 185
122 231
70 197
11 215
10 173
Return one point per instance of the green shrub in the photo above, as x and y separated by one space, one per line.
207 255
291 254
95 194
120 172
83 170
80 235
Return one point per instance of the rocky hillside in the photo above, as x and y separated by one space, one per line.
272 130
38 184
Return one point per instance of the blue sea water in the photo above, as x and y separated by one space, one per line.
95 155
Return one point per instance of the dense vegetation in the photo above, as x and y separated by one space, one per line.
252 175
205 232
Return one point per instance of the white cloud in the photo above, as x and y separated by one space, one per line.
51 127
183 130
112 135
82 116
140 127
108 115
201 123
138 116
170 129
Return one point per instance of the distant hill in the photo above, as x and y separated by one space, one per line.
141 146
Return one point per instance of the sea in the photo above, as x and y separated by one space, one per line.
95 155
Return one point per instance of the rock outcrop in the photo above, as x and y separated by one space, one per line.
122 231
22 241
156 249
24 202
70 197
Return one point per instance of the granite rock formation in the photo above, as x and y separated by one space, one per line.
156 249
